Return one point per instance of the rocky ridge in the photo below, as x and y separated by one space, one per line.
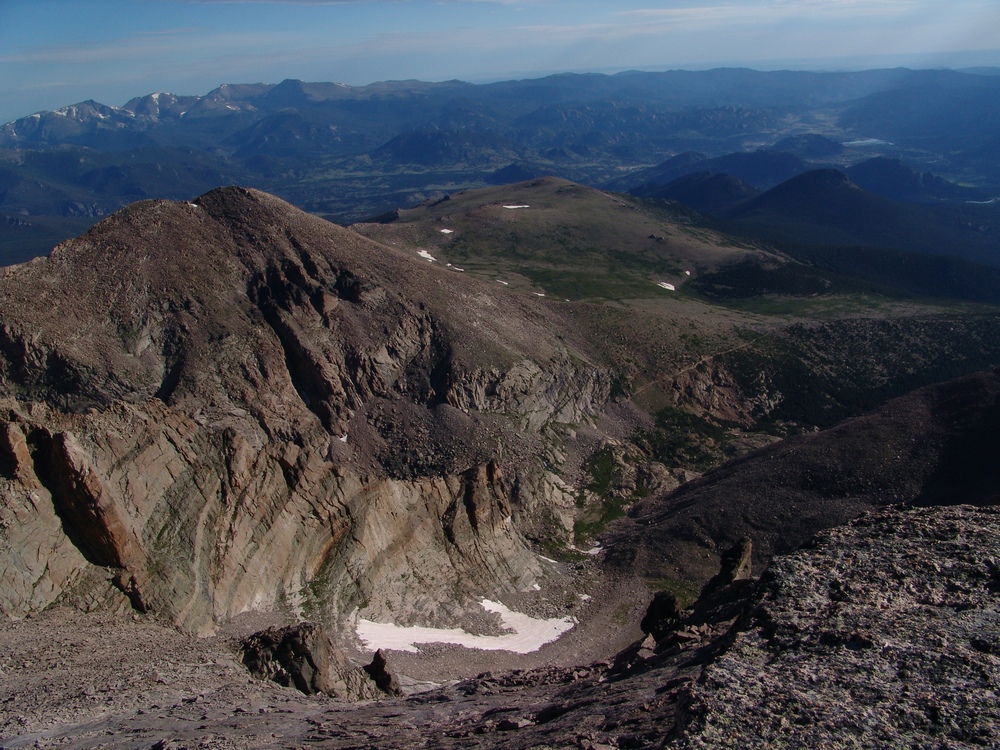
227 405
883 633
929 447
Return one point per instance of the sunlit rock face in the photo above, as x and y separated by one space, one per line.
229 405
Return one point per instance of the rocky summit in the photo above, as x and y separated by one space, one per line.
229 405
268 482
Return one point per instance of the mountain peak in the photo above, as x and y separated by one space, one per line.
813 183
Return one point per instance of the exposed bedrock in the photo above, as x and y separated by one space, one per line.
232 406
883 632
201 527
304 656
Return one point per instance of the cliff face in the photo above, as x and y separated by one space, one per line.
230 405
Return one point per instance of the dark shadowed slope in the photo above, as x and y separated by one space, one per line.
706 192
935 445
761 169
892 178
823 207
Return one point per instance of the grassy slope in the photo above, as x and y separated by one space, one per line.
800 346
572 242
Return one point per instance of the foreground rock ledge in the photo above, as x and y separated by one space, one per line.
883 633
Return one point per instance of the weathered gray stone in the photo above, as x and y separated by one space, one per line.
880 633
303 657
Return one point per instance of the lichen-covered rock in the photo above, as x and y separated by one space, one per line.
883 633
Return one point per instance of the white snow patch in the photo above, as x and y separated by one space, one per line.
427 255
539 294
687 273
502 282
343 439
585 597
668 287
869 142
194 205
548 559
447 231
595 550
527 634
518 206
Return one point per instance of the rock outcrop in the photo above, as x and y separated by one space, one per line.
304 657
228 405
883 633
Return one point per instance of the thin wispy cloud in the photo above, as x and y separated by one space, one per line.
358 2
112 50
769 12
175 32
282 2
145 46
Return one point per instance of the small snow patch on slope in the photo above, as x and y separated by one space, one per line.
527 634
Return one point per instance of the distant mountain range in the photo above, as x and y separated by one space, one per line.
348 152
546 395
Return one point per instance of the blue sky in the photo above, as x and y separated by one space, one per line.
58 52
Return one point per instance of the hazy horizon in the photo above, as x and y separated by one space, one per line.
65 51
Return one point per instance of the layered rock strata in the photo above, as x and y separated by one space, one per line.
230 405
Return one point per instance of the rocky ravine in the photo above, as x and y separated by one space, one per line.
226 406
